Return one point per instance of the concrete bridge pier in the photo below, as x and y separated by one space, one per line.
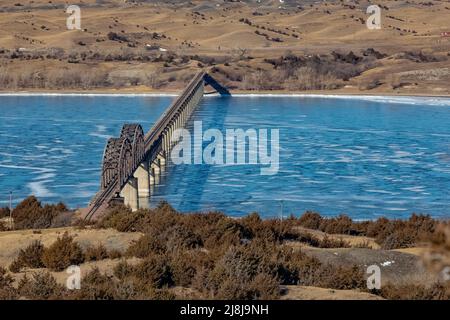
142 175
152 176
162 159
166 141
170 132
156 169
182 118
162 162
130 194
178 122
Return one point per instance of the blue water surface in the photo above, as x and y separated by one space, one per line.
364 157
52 146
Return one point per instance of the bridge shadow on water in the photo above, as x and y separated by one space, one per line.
186 194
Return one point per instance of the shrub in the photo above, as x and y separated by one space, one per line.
295 267
116 37
400 239
178 236
147 245
42 285
29 214
3 226
96 253
395 234
154 271
328 242
30 257
63 253
234 274
437 256
264 287
267 230
341 278
114 254
184 265
124 220
146 220
7 291
96 286
4 212
225 232
15 266
310 220
341 224
123 270
233 289
437 291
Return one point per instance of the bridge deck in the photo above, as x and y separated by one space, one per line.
155 132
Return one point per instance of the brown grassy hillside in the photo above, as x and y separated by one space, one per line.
299 45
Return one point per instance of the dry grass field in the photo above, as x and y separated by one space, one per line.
262 45
12 241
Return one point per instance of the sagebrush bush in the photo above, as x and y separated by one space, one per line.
268 230
30 214
178 237
437 256
310 220
295 267
7 290
123 269
264 287
96 253
328 242
184 265
96 286
146 245
342 278
4 212
115 254
225 232
30 257
15 266
154 271
239 274
41 286
123 219
436 291
63 253
3 226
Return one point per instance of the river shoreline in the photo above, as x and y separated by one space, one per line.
237 93
146 91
